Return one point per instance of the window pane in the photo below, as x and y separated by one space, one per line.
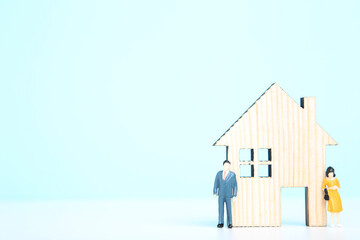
264 170
264 154
246 154
246 171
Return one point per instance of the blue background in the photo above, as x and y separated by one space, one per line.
124 99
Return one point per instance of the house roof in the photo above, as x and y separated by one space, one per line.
332 141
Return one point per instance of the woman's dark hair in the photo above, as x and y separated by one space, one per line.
329 170
226 161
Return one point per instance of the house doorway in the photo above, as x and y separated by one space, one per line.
294 206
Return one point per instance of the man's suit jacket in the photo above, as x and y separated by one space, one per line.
227 187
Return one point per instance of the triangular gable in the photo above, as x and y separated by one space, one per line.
330 141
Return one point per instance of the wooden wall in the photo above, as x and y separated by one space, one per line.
297 144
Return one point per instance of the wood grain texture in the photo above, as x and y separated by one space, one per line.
275 121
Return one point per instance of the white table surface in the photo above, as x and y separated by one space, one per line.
155 219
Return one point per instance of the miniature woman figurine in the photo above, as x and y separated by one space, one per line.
334 203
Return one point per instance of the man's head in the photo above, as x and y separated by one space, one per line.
226 165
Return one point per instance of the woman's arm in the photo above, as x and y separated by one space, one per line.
336 186
323 185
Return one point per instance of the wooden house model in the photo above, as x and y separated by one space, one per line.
276 143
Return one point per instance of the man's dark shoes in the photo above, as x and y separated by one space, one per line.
220 225
230 226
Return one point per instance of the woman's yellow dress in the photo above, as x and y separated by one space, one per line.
334 203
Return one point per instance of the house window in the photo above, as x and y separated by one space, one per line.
264 156
246 163
255 165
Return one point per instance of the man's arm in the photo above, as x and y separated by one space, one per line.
216 185
234 186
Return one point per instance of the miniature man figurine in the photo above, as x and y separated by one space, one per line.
225 187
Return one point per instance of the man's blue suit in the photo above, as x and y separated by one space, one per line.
225 189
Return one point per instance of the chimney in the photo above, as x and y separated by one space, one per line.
309 105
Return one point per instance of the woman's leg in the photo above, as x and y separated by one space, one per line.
338 220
